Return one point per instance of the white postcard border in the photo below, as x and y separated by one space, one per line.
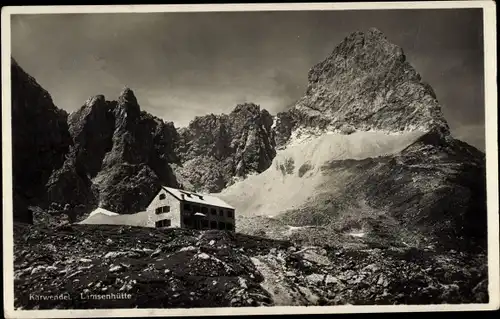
489 25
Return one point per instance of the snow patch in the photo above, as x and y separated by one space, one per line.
275 119
358 234
282 187
103 211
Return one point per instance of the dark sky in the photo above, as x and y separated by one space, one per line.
185 64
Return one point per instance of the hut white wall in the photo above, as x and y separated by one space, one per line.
173 215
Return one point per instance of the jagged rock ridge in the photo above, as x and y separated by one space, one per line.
365 84
112 154
119 158
216 148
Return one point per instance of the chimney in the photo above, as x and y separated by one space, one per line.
182 196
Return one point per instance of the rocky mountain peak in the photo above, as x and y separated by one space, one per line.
95 100
246 108
127 96
128 109
366 83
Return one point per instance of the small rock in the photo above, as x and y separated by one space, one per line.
167 271
290 274
331 279
109 241
37 269
85 260
50 268
242 283
115 268
314 278
212 242
156 253
380 280
114 254
372 268
85 267
203 256
75 273
128 285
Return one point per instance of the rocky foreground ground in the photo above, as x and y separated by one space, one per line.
176 268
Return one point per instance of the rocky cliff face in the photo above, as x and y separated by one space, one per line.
215 149
365 84
40 140
119 159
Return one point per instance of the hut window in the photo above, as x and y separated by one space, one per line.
213 224
163 209
230 214
222 226
213 211
163 223
229 226
163 196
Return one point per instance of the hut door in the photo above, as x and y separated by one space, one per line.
197 223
